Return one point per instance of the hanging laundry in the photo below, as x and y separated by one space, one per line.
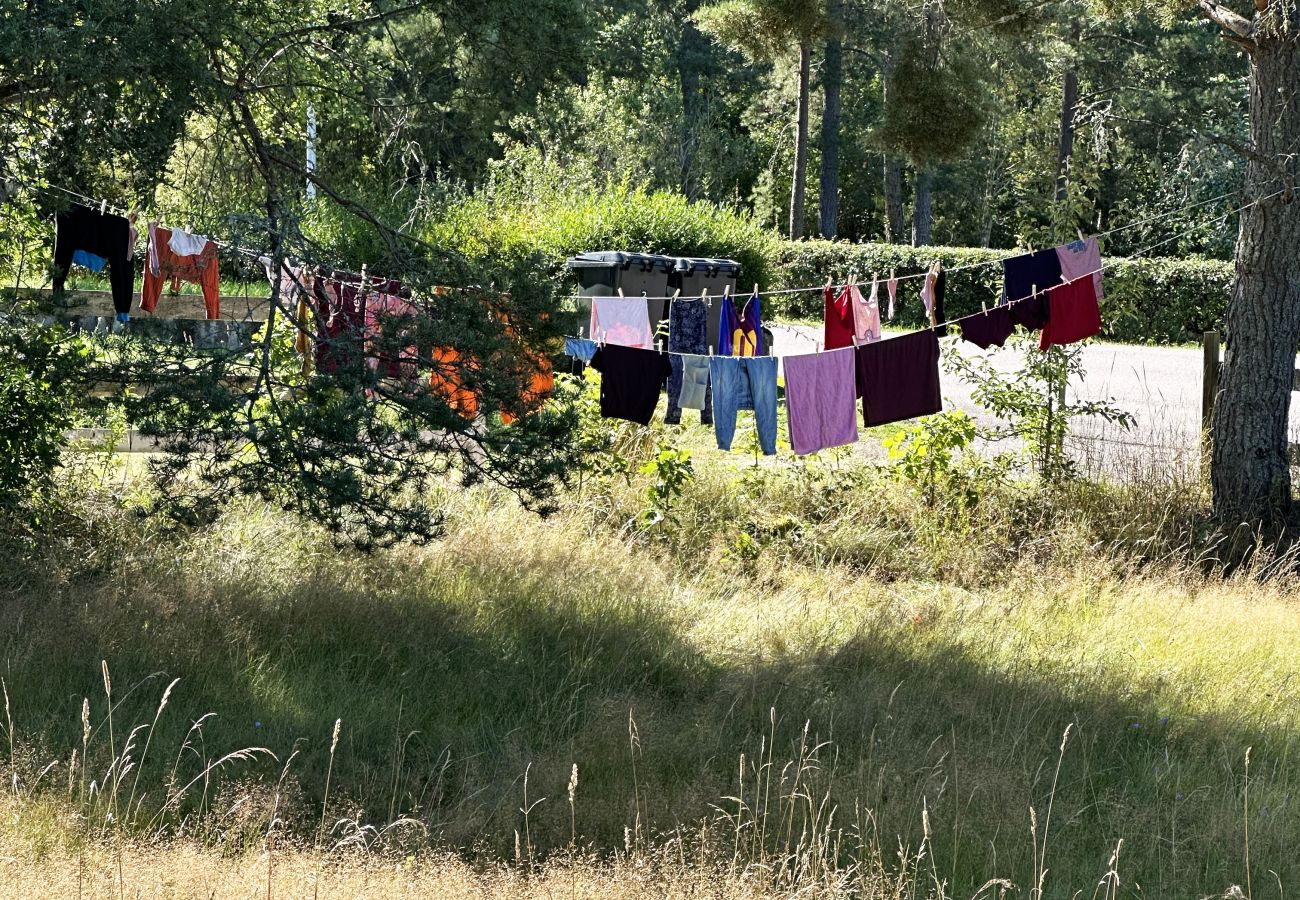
163 263
1080 258
1021 274
744 382
341 319
580 349
837 320
390 345
630 381
892 287
107 236
89 261
695 393
866 313
688 327
1031 313
899 378
932 293
182 243
626 323
1075 314
989 328
452 379
820 394
741 329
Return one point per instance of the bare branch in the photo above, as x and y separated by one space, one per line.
1240 29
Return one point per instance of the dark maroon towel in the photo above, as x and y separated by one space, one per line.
898 378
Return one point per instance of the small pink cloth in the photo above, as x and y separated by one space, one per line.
820 396
1081 258
621 321
866 314
892 286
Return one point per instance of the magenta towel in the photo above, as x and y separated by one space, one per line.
820 393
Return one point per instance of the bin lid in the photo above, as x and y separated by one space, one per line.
693 265
618 259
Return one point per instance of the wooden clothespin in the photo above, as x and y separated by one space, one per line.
620 292
659 344
755 287
829 282
189 228
1079 232
705 297
710 349
985 307
677 293
103 207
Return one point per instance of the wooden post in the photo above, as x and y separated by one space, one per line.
1209 385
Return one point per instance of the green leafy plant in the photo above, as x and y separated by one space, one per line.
671 472
1032 400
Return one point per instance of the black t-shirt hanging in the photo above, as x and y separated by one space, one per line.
1021 274
630 381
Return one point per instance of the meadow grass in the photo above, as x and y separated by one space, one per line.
804 679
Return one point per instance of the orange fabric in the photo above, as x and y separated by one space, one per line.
543 384
445 380
200 270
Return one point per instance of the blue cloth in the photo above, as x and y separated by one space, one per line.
580 348
744 382
688 327
89 260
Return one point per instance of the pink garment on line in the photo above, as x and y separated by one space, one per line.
820 395
866 314
625 322
892 287
1081 258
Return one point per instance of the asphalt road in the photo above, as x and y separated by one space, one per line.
1159 386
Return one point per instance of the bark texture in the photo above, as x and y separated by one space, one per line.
832 79
800 144
922 209
1065 138
1250 473
692 51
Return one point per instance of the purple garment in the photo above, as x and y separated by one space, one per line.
1081 258
820 398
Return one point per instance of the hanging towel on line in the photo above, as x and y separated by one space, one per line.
625 322
899 378
819 399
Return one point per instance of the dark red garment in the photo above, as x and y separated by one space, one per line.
838 318
984 329
1031 313
1075 313
898 378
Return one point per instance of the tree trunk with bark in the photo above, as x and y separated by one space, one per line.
800 144
893 165
1065 139
922 209
1250 472
692 50
832 78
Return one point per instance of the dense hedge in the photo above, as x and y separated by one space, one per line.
1155 300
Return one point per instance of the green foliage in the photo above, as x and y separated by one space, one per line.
935 452
1147 300
671 472
42 385
764 30
935 109
535 210
1032 400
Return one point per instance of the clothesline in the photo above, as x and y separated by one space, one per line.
949 322
981 263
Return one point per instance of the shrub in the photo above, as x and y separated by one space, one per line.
1148 300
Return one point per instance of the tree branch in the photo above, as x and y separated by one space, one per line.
1240 29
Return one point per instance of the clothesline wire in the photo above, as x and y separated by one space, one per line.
949 322
974 265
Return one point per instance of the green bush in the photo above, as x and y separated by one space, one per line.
1152 300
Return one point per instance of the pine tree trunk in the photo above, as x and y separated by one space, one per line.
1250 472
1065 139
832 77
800 145
692 50
893 166
922 209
